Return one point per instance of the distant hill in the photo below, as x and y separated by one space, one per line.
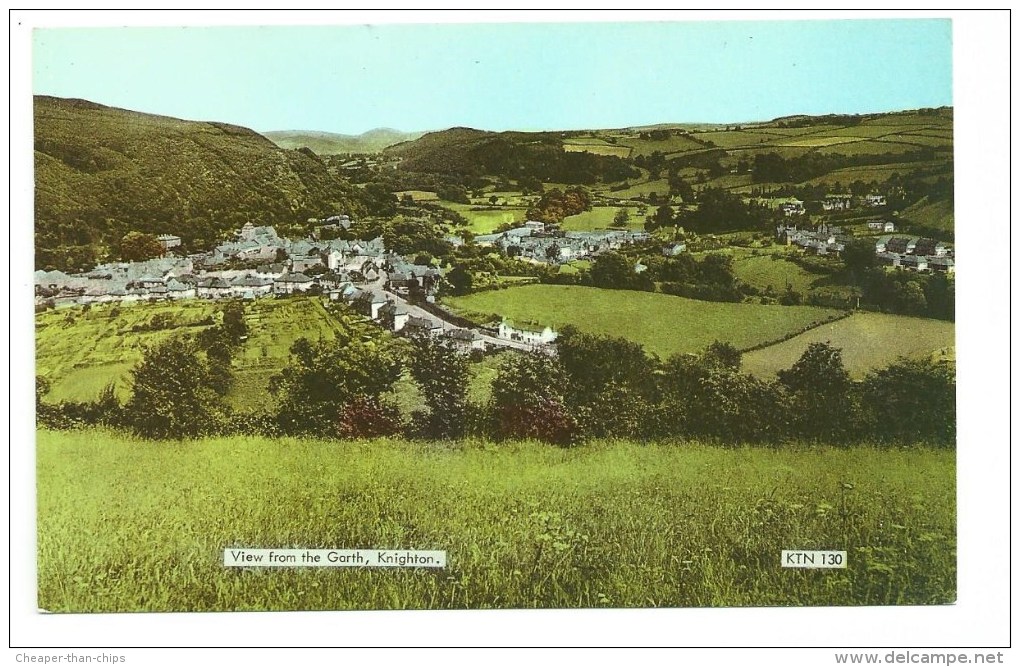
328 143
468 152
101 172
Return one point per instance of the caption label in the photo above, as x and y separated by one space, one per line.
332 558
815 559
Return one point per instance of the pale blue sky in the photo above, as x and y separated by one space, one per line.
501 76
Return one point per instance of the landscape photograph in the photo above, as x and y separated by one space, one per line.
609 315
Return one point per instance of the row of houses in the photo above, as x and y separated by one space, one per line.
915 254
201 275
921 263
832 203
529 243
823 240
903 245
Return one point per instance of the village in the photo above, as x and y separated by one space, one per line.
392 290
362 274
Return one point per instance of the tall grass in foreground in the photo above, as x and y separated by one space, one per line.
126 525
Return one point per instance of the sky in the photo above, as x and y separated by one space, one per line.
526 76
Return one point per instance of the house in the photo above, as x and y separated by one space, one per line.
168 241
874 201
942 264
212 287
465 340
836 203
673 249
914 262
402 280
369 303
302 264
422 326
343 292
900 245
250 285
508 331
394 316
535 226
889 227
876 225
177 289
292 283
887 259
792 207
930 248
270 271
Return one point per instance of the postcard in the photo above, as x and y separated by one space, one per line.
495 316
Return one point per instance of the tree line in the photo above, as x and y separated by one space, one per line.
595 387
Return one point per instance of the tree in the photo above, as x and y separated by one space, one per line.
611 382
138 247
171 393
528 399
233 322
859 256
441 373
823 407
911 401
612 270
621 218
664 216
322 378
460 280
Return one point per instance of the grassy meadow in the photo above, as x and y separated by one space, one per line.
610 524
601 217
869 341
486 221
662 323
114 340
80 372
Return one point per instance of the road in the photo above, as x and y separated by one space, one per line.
490 341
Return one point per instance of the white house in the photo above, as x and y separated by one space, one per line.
508 331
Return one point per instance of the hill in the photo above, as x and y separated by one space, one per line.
328 143
101 172
466 152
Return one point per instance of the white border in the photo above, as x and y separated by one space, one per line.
981 616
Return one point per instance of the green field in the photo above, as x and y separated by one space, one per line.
524 525
601 217
80 359
764 271
659 186
595 147
81 353
869 341
875 147
933 215
486 221
663 324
